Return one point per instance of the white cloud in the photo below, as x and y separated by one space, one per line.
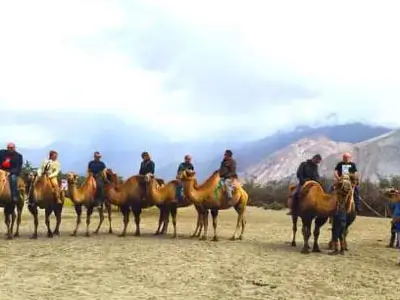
63 56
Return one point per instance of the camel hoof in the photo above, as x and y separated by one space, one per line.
57 233
73 234
174 236
305 250
110 231
87 234
215 239
316 250
50 235
156 233
293 244
137 233
233 238
33 237
16 235
122 235
95 232
203 238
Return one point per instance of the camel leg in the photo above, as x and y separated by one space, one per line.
34 211
161 218
78 211
8 209
205 224
109 215
174 212
294 229
101 219
214 214
20 206
47 212
199 226
58 212
306 230
89 211
164 228
137 210
240 221
125 214
319 222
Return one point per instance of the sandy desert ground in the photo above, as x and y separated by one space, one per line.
262 266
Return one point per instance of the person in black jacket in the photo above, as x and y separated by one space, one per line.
227 171
12 161
185 165
308 170
147 165
96 166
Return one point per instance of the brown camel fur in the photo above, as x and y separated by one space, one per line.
167 195
211 196
130 195
314 203
85 196
9 206
41 194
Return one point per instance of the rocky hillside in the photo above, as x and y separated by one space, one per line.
283 163
376 158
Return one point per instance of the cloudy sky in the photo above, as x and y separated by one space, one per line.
193 69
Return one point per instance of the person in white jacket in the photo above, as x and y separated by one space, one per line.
52 167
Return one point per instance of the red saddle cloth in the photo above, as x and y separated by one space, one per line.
6 164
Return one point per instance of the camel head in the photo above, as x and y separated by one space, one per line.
391 194
344 186
109 176
186 175
72 178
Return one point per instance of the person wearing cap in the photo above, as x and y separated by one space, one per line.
185 165
307 170
96 166
12 161
346 166
52 168
147 165
227 171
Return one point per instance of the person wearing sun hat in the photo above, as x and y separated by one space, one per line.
12 161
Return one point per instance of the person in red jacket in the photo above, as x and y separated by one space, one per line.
12 161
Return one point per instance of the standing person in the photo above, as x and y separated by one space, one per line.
227 171
52 168
12 161
394 242
147 165
346 166
185 165
307 170
396 222
96 167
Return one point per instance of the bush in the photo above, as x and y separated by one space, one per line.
274 195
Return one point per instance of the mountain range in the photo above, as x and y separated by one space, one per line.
271 158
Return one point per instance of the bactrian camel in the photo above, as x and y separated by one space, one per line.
129 195
9 206
42 195
211 195
167 194
314 203
85 196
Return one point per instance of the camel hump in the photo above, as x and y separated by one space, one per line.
308 185
174 182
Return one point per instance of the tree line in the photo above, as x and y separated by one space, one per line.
274 194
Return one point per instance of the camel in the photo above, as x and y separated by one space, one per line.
167 194
85 196
41 196
130 195
314 203
211 196
9 206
